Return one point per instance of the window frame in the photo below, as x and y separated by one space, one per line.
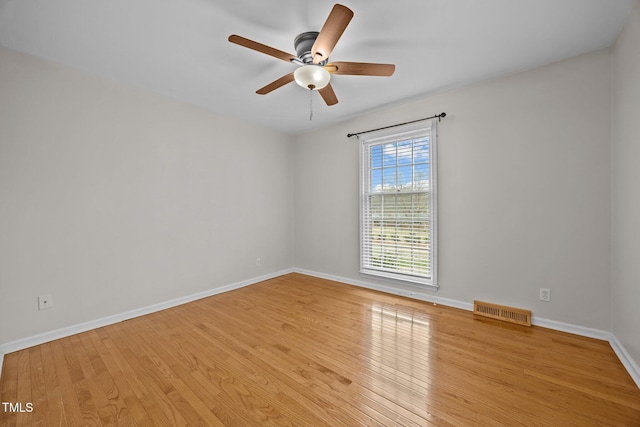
426 128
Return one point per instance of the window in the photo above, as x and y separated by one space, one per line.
398 203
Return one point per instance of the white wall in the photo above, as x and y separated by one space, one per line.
524 185
112 199
626 187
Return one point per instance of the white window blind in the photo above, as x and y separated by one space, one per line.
398 203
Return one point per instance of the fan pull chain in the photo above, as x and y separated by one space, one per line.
310 105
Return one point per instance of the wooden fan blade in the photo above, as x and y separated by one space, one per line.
361 69
331 31
263 48
288 78
328 95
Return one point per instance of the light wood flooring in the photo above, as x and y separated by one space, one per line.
298 350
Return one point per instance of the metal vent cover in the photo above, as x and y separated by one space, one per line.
502 312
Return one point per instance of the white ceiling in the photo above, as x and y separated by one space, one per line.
179 48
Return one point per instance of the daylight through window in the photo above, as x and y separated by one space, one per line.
398 204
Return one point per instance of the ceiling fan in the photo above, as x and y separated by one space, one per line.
313 49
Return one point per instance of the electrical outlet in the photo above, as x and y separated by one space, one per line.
258 262
45 301
545 294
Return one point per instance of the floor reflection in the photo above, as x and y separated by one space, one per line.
400 355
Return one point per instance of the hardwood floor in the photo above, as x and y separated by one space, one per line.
298 350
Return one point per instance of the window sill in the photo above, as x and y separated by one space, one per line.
401 279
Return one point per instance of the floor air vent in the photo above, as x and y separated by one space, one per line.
501 312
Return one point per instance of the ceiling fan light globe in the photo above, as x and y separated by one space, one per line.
312 77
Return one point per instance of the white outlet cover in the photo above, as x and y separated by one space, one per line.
45 301
545 294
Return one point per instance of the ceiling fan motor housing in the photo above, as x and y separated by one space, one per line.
303 44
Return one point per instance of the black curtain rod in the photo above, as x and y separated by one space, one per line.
437 116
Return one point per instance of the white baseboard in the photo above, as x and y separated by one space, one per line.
42 338
617 347
20 344
626 359
415 294
570 328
